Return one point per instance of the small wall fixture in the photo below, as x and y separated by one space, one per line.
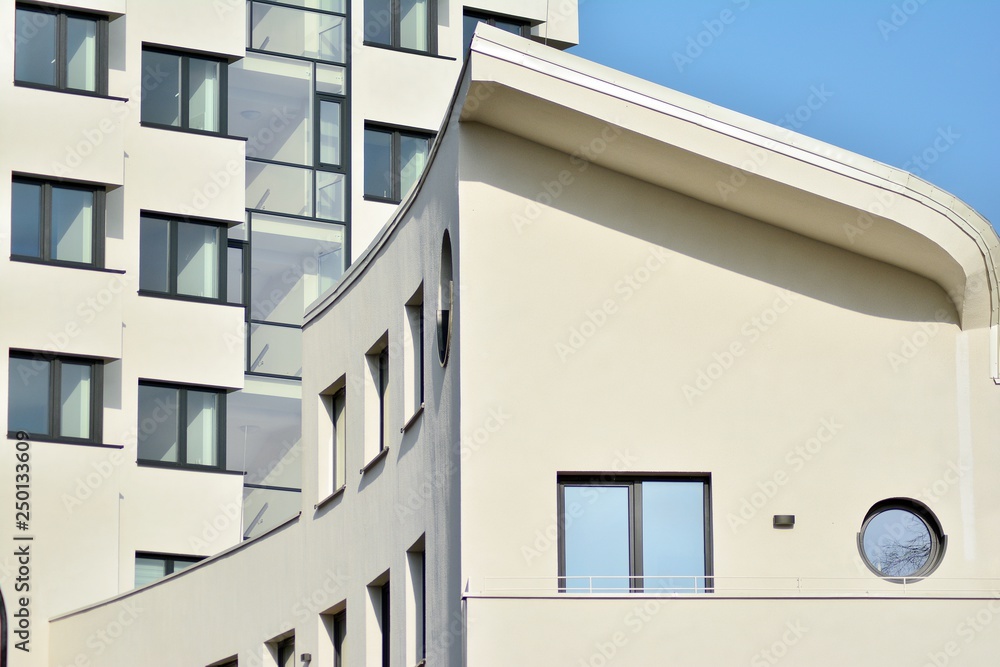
784 520
306 658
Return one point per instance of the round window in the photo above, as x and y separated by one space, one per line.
446 300
901 539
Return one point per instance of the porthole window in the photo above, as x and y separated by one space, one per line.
446 300
901 540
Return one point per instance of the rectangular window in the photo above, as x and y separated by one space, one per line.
60 49
338 405
414 347
54 397
181 426
150 567
394 160
181 259
514 26
330 131
410 25
183 91
286 652
57 223
298 32
620 534
339 639
416 617
383 622
383 397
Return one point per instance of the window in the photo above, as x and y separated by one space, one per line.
401 24
57 223
286 652
338 405
178 258
620 534
183 91
59 49
394 160
150 567
53 397
383 396
446 300
339 638
181 426
901 540
307 30
511 25
330 132
414 346
416 617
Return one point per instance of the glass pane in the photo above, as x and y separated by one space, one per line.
281 189
297 32
202 428
81 54
276 350
35 47
203 91
292 262
897 543
148 570
154 248
198 260
72 225
597 538
161 90
158 419
513 28
180 565
330 79
325 5
270 103
413 33
469 24
28 395
673 537
26 219
234 275
413 159
263 509
264 430
378 21
329 195
378 163
75 400
339 440
329 132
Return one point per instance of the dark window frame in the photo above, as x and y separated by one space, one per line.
286 644
385 608
383 393
55 362
184 93
45 224
62 15
396 133
491 19
169 561
395 34
220 426
340 168
634 482
339 637
222 248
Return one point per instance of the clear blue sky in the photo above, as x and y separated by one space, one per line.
898 73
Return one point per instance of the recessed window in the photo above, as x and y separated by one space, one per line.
446 300
150 567
339 632
378 638
180 258
59 49
901 539
401 24
413 369
622 534
57 223
54 397
416 609
394 160
183 91
181 426
514 26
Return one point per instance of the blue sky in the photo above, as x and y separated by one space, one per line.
895 76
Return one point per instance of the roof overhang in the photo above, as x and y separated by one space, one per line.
735 162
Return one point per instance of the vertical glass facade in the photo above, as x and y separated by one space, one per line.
288 97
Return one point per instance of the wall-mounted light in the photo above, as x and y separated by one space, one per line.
784 520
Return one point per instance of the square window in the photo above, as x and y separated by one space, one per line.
394 160
621 534
60 49
54 397
150 567
409 25
181 426
183 91
57 223
182 259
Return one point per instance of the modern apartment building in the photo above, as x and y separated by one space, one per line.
179 181
649 420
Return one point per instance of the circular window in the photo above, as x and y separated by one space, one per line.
901 539
446 300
